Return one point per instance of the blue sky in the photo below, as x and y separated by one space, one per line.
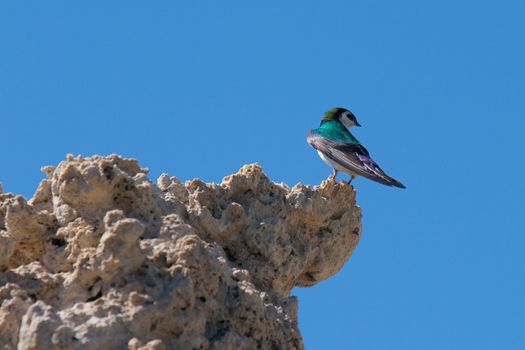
197 89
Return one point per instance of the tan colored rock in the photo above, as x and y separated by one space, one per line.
102 258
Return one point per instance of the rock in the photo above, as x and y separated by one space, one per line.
102 258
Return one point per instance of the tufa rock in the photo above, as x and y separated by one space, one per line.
102 258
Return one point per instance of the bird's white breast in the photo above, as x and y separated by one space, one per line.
331 163
335 165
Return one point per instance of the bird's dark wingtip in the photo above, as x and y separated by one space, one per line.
393 182
398 184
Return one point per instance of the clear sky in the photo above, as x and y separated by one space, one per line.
197 89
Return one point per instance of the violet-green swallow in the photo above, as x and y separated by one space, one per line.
338 148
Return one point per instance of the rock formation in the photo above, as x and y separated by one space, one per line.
102 258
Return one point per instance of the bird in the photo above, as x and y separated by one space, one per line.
338 148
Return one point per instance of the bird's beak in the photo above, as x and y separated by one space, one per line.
357 124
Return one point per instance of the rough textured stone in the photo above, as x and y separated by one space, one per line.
102 258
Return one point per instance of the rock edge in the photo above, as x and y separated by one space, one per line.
102 258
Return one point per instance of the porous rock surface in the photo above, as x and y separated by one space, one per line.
102 258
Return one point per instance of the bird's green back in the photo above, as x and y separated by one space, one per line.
334 130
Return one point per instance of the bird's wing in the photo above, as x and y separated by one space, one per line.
354 157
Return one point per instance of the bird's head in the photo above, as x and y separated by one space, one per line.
342 115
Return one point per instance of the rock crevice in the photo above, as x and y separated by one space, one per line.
101 257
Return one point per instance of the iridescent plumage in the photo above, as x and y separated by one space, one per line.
342 151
